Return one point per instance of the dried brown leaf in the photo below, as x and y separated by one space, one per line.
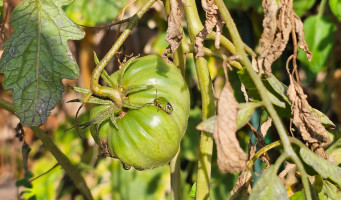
265 126
308 125
277 31
301 41
270 8
213 19
230 156
243 182
174 32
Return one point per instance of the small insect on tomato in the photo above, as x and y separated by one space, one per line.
163 104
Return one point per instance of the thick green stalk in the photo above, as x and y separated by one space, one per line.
208 105
63 160
113 93
322 7
175 176
236 39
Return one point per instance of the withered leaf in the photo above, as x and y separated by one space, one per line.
308 125
230 156
213 19
174 32
270 8
277 31
301 41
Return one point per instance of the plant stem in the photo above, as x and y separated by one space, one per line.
322 7
113 93
189 48
262 151
280 160
208 105
175 177
236 39
70 169
7 105
63 160
180 63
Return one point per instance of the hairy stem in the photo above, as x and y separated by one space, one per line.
261 152
322 7
63 160
179 62
208 105
175 177
108 92
283 134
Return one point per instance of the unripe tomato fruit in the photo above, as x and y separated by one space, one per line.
149 136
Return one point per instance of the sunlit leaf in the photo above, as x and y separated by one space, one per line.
193 190
94 12
253 91
325 168
37 57
275 100
245 113
269 186
319 34
279 87
207 125
335 7
298 195
334 152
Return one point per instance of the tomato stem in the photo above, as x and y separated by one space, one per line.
108 92
208 105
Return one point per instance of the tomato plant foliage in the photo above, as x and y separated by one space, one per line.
144 106
37 57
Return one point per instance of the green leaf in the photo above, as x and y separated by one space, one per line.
94 12
335 7
252 90
193 191
334 152
329 190
269 186
275 100
245 113
298 195
207 125
325 168
302 6
279 87
37 57
319 34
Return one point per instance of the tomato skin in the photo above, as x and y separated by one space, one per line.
147 137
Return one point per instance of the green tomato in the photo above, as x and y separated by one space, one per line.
148 137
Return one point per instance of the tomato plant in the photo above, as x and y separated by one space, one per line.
148 136
247 98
